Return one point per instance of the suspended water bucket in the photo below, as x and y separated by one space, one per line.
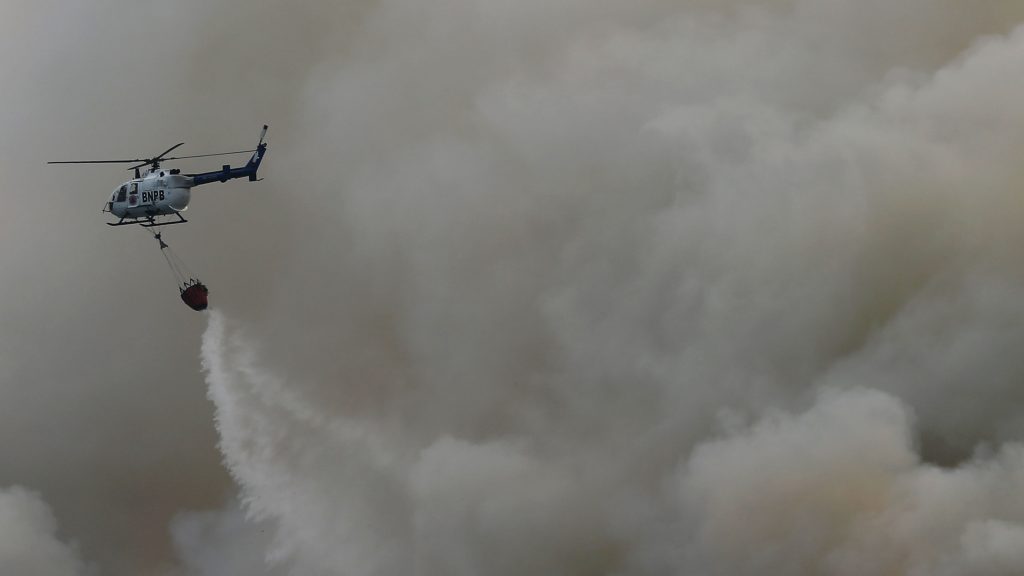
194 294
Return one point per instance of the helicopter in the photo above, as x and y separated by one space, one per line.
145 199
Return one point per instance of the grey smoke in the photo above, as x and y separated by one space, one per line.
575 288
221 542
839 490
28 538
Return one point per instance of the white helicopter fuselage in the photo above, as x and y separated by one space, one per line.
158 193
167 192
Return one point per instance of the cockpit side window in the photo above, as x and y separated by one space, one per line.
122 193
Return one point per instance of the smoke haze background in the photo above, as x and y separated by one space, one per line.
584 287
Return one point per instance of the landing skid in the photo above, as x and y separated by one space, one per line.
148 221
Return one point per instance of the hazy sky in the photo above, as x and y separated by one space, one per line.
550 287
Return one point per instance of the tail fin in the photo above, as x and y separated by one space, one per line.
254 163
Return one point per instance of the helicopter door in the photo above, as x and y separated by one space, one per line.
133 196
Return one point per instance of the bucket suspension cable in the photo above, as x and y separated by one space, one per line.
178 268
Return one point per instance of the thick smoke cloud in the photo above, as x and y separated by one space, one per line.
28 538
221 542
839 490
547 283
529 287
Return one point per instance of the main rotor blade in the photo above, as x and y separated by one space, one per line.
147 161
95 161
144 161
161 156
207 155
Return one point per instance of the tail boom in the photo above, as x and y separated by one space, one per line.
228 173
